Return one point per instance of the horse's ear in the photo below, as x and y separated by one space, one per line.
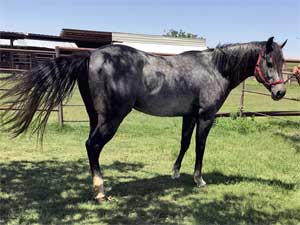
269 44
283 44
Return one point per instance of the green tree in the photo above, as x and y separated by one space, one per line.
179 34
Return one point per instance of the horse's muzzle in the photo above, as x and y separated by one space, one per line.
278 92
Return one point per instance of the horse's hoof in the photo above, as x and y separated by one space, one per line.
199 182
102 197
175 174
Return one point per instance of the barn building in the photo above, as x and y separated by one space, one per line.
22 51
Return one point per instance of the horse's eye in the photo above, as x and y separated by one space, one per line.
269 65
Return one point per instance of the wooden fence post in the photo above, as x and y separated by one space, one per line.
60 105
242 99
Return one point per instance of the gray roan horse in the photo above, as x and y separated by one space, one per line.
115 79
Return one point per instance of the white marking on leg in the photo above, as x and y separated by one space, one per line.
98 188
176 174
199 181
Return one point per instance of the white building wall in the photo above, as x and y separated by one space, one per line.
162 49
38 43
159 44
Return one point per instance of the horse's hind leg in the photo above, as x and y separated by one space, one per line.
107 125
188 124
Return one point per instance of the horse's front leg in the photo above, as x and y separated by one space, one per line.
204 124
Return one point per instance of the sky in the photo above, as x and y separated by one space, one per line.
219 21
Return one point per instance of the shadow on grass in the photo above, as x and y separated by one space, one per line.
292 139
55 192
286 124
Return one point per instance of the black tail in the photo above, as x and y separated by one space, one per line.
40 89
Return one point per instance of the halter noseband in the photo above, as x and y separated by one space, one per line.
261 75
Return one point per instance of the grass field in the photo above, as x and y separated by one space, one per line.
252 167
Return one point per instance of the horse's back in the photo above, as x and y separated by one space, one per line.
116 69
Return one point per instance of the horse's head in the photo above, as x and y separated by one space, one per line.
268 69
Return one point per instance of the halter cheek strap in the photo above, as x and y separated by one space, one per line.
261 75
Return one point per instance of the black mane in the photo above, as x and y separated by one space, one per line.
230 57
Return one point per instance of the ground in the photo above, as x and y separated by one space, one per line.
251 167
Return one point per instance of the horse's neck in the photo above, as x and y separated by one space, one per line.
241 63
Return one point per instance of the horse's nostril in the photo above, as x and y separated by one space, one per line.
280 94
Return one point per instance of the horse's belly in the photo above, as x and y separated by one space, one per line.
165 106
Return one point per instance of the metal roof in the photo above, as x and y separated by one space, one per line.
86 35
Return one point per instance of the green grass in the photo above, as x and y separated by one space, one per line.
251 166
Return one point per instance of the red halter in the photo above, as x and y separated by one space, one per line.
261 75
